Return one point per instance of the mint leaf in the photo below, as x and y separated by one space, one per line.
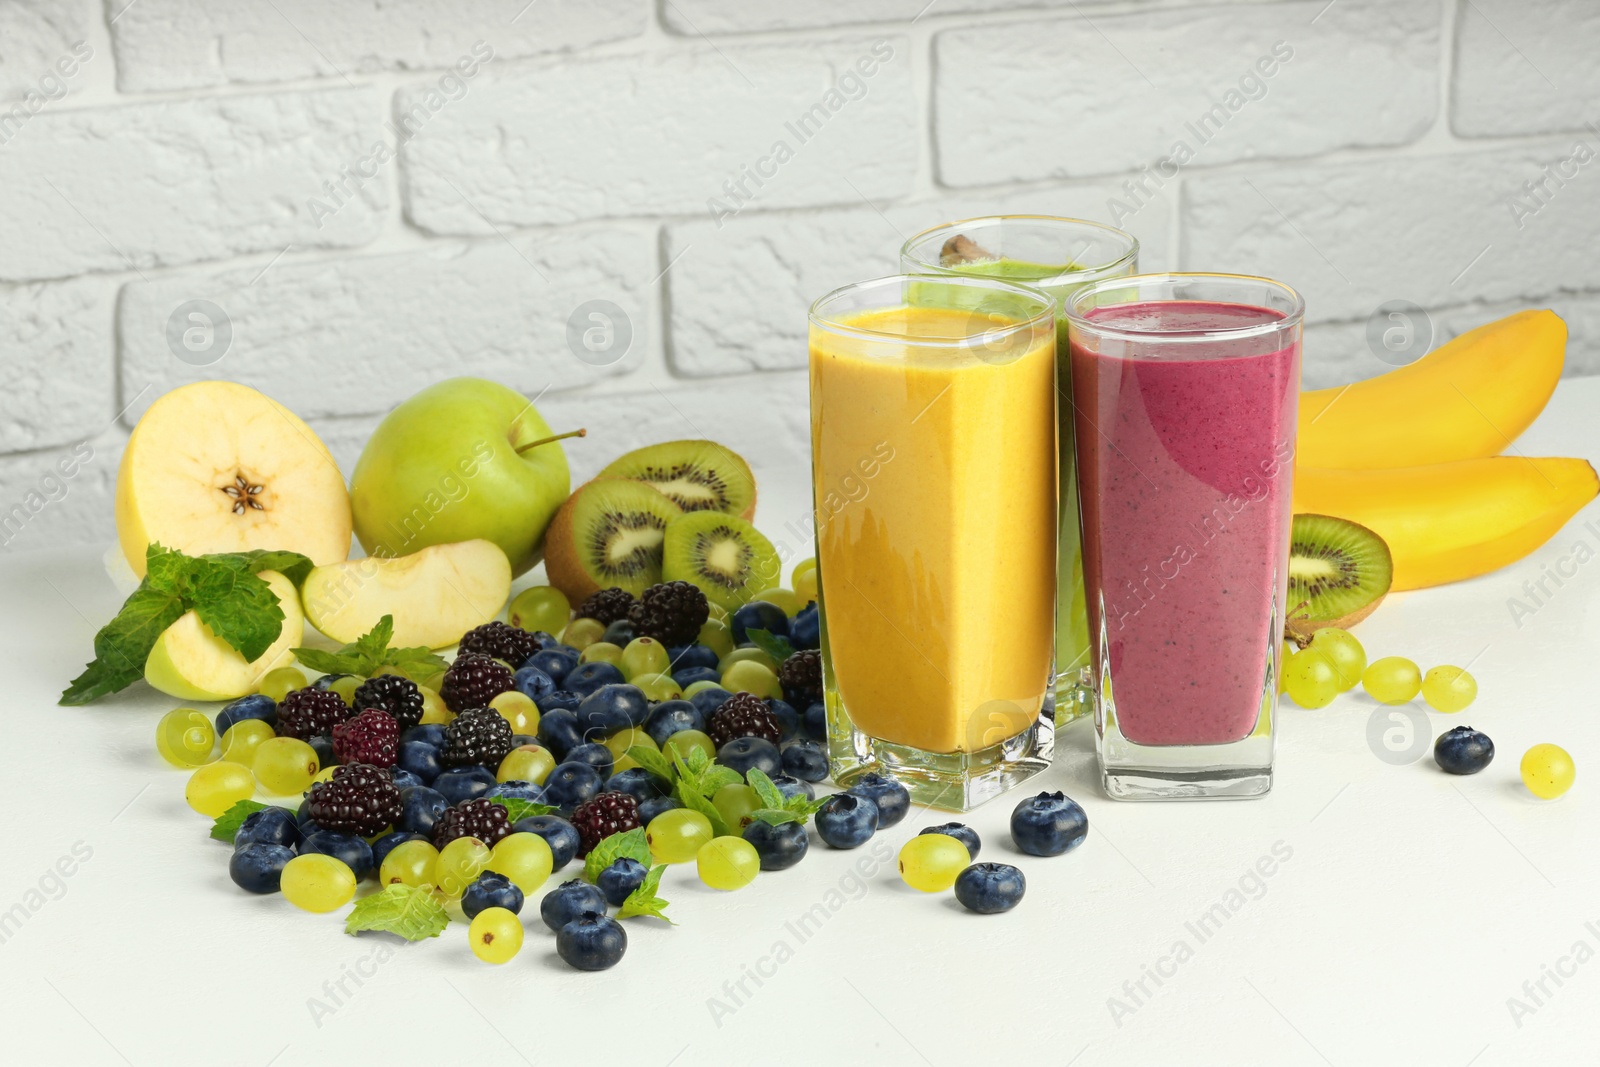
238 606
653 761
413 912
702 776
630 844
774 645
769 794
521 808
228 823
375 642
292 565
643 901
775 816
802 808
124 643
691 799
369 652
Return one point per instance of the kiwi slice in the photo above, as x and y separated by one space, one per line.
695 475
723 555
608 533
1339 571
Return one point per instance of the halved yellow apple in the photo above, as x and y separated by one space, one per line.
435 595
192 663
219 467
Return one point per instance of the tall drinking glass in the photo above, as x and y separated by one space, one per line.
933 445
1186 388
1060 256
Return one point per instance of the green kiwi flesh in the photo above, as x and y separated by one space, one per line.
1339 571
722 555
610 533
695 475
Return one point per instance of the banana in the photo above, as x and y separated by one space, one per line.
1450 521
1467 399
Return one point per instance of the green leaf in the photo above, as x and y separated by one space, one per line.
653 761
520 808
769 795
238 606
228 823
413 912
774 645
124 643
700 775
803 807
775 816
643 901
691 799
292 565
375 642
368 653
630 844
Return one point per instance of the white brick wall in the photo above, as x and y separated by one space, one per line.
247 154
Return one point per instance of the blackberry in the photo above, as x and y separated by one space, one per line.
394 693
359 799
801 674
371 737
743 715
477 735
671 612
483 819
501 641
607 814
305 713
473 680
608 605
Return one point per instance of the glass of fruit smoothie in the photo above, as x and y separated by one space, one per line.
933 444
1186 388
1060 256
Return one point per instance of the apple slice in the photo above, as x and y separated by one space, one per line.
219 467
192 663
435 595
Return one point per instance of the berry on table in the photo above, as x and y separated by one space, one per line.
571 784
846 820
592 942
360 799
500 641
310 712
744 754
805 759
473 680
420 758
649 809
990 888
495 934
258 868
394 693
257 706
317 883
558 731
595 755
464 783
479 736
801 676
371 736
961 832
269 826
569 901
758 615
606 606
1548 771
637 783
743 715
620 879
490 890
389 842
931 862
779 846
892 798
523 857
352 851
1463 750
481 819
671 612
1048 824
612 707
604 815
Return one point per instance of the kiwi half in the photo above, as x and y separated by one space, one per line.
723 555
695 475
608 533
1339 572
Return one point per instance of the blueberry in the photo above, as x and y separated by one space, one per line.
788 718
743 753
892 798
805 760
846 820
430 734
327 680
464 783
814 722
553 662
670 717
404 779
420 808
544 639
696 655
595 755
569 901
558 731
612 707
1048 825
517 789
805 629
323 744
420 758
791 786
1463 750
303 819
533 683
258 868
570 784
255 706
385 845
961 832
562 837
709 700
638 783
491 890
352 850
619 633
687 676
989 888
560 700
621 878
758 615
780 847
269 826
593 941
649 809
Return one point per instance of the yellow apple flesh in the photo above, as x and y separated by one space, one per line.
435 595
192 663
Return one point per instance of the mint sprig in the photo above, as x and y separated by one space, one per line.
695 802
699 775
367 653
777 646
412 912
643 901
653 761
630 844
776 808
228 823
520 807
225 590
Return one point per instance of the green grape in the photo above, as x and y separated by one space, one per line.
286 766
1310 680
185 737
409 863
686 741
644 655
1349 659
325 775
623 763
216 787
528 763
496 935
701 686
1392 680
518 709
581 633
734 802
657 687
243 738
434 710
317 883
931 862
804 580
1448 688
459 863
1283 661
748 676
748 653
540 607
346 687
622 740
677 834
716 636
783 599
526 859
716 613
281 681
1548 771
602 652
728 863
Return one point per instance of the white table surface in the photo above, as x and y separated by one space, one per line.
1410 909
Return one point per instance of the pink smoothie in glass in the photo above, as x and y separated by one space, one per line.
1186 449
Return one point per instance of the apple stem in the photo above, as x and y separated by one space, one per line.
546 440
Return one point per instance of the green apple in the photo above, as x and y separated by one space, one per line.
192 663
434 595
465 459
